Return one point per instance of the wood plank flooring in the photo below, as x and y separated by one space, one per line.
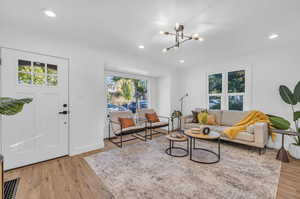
72 178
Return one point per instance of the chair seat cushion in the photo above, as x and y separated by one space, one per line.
157 124
131 129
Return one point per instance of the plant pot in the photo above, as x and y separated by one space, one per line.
294 151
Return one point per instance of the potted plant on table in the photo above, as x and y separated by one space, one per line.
292 98
176 114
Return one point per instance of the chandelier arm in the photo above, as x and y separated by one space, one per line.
188 39
174 46
186 36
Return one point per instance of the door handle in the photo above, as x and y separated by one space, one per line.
63 112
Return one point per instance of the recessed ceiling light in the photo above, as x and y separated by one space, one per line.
141 47
273 36
49 13
181 61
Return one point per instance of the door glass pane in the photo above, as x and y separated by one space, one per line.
215 83
24 66
236 102
236 81
215 102
51 69
126 94
39 79
24 78
52 80
38 67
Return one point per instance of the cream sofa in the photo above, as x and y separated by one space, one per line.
256 135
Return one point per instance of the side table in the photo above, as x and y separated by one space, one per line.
282 154
172 140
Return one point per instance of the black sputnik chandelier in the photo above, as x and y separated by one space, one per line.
180 37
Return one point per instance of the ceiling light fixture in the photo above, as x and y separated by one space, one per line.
273 36
180 37
181 61
141 47
49 13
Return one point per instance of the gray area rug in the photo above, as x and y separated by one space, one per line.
143 170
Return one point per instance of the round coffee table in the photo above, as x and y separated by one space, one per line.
172 140
213 135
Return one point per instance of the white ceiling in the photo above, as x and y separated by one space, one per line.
229 27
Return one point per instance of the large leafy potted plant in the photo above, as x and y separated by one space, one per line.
292 98
10 106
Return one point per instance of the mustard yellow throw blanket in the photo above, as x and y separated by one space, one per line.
251 118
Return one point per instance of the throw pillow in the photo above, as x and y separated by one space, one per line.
126 122
152 117
211 119
195 117
202 117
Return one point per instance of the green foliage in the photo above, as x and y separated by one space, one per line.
292 98
279 123
236 81
296 115
287 95
297 92
176 114
127 89
235 102
10 106
215 83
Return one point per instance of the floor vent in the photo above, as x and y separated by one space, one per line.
10 188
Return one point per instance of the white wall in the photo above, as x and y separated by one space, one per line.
270 68
87 93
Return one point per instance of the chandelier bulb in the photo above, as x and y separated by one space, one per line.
164 50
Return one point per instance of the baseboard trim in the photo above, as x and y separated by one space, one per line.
84 149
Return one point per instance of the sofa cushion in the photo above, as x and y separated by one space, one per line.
219 129
230 118
211 119
243 135
192 125
217 114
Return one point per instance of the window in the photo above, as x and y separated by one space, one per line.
215 90
227 90
236 90
24 72
126 93
36 73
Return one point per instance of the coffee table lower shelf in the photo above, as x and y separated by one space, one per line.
192 148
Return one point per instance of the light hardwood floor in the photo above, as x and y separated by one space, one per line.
72 178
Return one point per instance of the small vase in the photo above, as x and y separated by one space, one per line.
294 151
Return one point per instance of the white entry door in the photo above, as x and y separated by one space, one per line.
40 131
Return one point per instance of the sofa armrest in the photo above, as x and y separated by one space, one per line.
187 119
261 133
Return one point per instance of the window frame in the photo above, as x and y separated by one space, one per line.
33 73
247 101
126 75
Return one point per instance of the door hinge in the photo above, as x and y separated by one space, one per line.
0 62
